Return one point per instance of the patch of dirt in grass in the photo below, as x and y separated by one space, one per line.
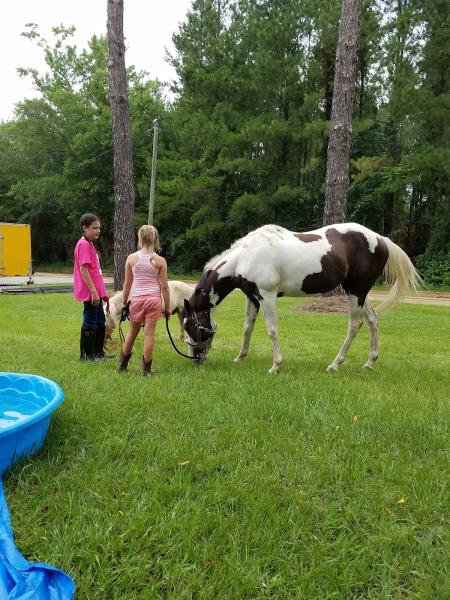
332 304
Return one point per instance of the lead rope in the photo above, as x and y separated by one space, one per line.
122 337
170 336
123 316
173 343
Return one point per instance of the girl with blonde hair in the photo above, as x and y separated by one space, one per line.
145 281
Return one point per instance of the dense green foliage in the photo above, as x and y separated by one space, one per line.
245 136
435 268
221 481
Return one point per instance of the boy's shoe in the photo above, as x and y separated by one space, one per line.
87 344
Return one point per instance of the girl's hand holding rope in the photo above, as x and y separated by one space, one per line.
125 311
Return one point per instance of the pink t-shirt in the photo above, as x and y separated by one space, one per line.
86 254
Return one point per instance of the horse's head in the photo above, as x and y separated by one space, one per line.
199 325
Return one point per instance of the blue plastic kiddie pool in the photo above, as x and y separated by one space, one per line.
26 404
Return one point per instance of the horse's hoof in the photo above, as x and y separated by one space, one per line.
331 369
273 371
368 367
238 359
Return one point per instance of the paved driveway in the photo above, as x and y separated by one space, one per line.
44 279
436 298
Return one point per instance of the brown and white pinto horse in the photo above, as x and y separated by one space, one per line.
272 261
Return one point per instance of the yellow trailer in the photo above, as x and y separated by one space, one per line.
15 250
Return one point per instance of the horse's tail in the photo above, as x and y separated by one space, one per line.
400 273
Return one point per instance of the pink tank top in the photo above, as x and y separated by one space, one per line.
145 277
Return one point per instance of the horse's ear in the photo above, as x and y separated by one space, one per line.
187 307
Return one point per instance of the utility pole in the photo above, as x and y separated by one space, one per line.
157 126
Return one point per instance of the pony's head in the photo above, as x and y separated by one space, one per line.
199 325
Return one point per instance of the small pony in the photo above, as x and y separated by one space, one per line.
179 292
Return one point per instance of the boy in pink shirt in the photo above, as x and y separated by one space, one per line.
89 288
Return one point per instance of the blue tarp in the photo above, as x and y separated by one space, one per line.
21 580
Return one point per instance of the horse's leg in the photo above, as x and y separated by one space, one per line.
251 312
354 323
271 318
371 318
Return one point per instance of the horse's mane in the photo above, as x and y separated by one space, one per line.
266 232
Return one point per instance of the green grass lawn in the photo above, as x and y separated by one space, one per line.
221 481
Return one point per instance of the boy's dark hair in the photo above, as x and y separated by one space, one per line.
87 219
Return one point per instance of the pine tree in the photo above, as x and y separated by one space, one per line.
340 136
124 236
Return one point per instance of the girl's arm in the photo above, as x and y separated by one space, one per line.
164 285
128 281
95 298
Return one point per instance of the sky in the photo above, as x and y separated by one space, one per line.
148 29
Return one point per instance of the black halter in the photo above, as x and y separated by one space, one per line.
199 328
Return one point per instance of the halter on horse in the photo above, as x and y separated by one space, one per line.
271 262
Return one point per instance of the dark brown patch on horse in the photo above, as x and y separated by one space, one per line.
222 287
200 300
211 282
349 263
249 288
307 237
207 281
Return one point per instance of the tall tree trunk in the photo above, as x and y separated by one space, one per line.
340 137
124 236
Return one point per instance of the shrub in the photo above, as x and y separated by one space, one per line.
434 268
